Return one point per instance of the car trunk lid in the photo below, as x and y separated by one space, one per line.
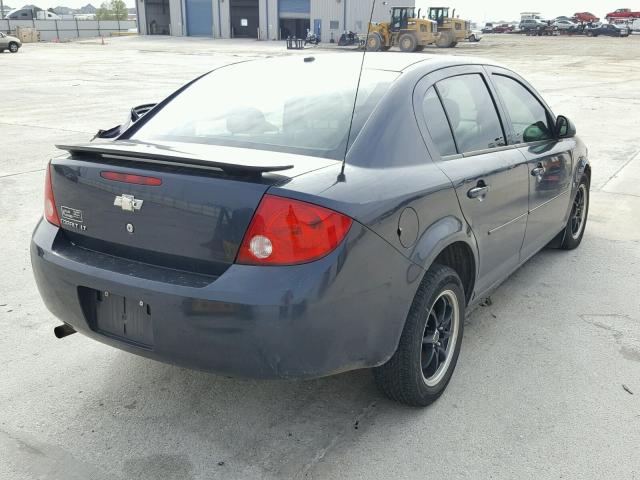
191 216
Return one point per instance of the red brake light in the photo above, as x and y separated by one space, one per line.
288 232
50 210
128 178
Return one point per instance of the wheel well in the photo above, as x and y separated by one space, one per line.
459 257
587 172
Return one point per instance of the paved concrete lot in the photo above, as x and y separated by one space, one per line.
538 391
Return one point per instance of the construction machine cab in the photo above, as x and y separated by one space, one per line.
400 17
438 14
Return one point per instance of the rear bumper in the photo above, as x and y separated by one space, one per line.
343 312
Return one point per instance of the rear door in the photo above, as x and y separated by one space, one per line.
549 160
459 118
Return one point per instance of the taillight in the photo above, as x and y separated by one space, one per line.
288 232
128 178
50 210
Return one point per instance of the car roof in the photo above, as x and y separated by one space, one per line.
400 62
346 63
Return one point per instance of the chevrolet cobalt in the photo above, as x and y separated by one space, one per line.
271 220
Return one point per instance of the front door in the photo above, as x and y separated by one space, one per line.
549 160
491 180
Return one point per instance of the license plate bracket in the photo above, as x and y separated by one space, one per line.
118 316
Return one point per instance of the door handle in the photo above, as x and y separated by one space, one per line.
479 192
538 171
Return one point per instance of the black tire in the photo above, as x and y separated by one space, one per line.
574 230
374 42
420 48
407 43
402 378
386 49
472 38
445 40
13 47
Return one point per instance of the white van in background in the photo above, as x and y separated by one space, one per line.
32 14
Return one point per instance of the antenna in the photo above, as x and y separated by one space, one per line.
341 177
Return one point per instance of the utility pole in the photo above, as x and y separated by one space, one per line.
1 10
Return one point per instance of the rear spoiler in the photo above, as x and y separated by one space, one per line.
148 153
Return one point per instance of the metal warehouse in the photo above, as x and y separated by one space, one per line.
260 19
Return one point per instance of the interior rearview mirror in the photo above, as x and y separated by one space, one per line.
565 127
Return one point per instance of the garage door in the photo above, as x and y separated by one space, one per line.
244 18
294 8
199 18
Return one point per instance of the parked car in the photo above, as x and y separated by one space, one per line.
532 24
476 35
488 28
565 25
607 29
7 42
503 28
622 14
585 17
241 239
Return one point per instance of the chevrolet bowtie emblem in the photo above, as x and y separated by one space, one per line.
128 203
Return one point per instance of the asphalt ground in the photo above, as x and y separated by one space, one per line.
547 384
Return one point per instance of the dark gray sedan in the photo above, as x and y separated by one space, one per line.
251 224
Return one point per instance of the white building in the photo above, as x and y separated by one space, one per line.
263 19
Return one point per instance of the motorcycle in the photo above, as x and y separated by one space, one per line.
348 38
312 38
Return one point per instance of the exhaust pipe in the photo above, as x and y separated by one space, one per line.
63 330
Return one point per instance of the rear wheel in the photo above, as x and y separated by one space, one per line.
374 42
420 369
472 38
445 40
574 231
13 47
408 42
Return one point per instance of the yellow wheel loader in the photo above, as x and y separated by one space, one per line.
450 29
406 30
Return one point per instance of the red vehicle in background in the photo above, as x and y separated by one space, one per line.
503 28
622 14
585 17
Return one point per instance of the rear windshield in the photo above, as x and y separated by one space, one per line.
288 106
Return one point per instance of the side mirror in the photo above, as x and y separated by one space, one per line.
565 127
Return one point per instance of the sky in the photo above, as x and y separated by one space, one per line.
475 10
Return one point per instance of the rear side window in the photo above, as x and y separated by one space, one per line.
471 112
437 123
529 118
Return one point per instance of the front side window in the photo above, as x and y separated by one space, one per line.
471 112
529 118
437 123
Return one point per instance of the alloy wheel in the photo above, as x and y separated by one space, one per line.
439 338
578 211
